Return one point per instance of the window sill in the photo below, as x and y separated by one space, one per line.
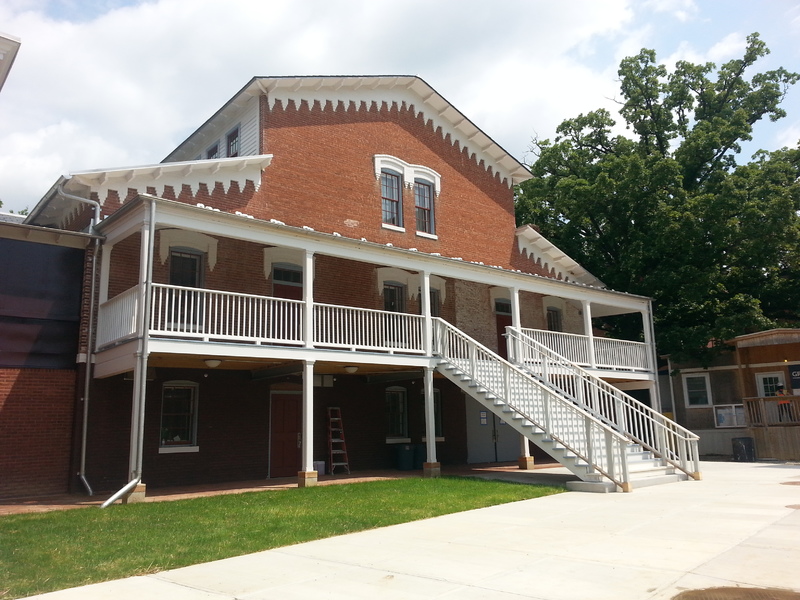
398 440
393 227
178 449
430 236
699 406
438 439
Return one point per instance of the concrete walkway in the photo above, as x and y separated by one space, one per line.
739 526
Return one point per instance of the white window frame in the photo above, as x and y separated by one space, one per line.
760 382
738 415
707 379
181 448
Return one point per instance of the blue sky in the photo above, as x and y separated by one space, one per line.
111 83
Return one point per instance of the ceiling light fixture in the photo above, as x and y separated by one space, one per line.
212 363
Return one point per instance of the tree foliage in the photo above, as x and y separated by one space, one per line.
667 212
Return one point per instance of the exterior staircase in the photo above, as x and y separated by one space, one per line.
607 451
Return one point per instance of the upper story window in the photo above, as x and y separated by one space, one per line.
287 281
394 297
186 268
423 203
212 152
232 143
396 175
392 197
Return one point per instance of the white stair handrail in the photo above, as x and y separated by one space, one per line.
578 431
642 424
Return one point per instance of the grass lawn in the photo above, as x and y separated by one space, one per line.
56 550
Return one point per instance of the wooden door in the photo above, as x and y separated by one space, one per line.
503 321
286 411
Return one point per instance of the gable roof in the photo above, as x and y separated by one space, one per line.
370 93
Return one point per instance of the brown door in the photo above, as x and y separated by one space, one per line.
285 437
503 321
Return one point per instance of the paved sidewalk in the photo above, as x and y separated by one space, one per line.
739 526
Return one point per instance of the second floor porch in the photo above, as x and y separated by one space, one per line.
212 318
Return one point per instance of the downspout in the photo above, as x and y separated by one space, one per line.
89 334
141 382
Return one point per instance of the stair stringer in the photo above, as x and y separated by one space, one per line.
524 426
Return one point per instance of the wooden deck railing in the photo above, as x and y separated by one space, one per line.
772 411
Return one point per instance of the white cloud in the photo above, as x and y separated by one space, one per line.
103 83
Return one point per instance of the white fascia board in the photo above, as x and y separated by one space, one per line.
175 174
248 351
176 214
370 93
538 247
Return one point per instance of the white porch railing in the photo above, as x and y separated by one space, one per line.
580 432
610 354
117 318
211 315
367 329
214 315
647 427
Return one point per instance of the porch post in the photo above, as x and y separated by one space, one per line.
138 404
308 476
587 330
425 302
105 267
308 299
525 460
649 340
431 468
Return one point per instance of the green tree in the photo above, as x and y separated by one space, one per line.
667 212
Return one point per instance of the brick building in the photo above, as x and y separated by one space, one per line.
346 243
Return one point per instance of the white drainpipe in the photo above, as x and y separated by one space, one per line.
89 334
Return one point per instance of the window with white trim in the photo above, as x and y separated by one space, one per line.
729 415
232 142
696 390
179 414
395 175
768 384
423 206
392 197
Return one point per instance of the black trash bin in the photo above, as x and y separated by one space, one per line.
744 449
420 455
405 457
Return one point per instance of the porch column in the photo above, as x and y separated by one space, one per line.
516 323
308 299
425 302
137 493
105 268
431 468
587 330
308 476
525 460
649 340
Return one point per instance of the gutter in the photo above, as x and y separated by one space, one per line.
89 333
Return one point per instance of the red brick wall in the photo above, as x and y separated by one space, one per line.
35 459
322 175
